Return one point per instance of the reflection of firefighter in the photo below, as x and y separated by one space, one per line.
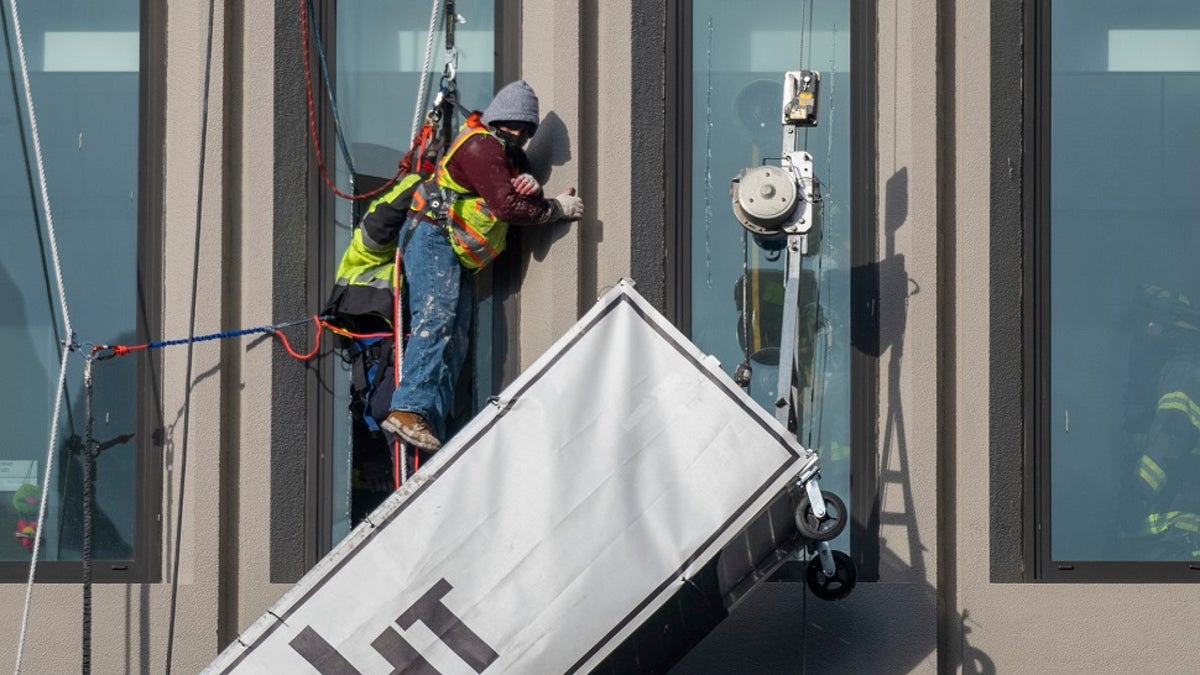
1164 417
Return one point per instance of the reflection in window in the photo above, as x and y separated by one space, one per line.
1124 419
380 54
738 62
84 75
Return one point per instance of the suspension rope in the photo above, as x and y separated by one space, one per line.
37 539
187 379
33 196
62 297
399 447
806 27
41 167
423 88
816 404
89 482
447 96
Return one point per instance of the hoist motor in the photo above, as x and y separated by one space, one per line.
773 202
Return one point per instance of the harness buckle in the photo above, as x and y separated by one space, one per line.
438 200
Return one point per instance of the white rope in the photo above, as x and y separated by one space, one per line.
423 89
62 298
41 169
398 356
418 117
37 534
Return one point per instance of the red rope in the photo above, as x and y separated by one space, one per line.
398 350
121 350
352 334
288 346
312 122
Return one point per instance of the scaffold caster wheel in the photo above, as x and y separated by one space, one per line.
838 586
821 529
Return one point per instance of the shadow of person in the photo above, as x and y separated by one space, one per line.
549 148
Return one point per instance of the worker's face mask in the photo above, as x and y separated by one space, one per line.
513 136
512 140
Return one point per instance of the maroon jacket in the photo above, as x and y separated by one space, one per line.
483 166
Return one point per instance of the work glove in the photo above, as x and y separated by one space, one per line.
568 206
526 185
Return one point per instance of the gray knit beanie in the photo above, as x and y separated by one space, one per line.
516 102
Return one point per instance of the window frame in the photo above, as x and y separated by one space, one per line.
864 288
1036 226
145 566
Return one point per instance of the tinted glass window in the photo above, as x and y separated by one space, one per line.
84 65
1123 420
739 58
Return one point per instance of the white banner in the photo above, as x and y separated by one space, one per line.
552 525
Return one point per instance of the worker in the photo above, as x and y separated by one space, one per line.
1165 409
460 219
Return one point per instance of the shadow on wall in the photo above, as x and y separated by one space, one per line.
782 628
896 287
550 147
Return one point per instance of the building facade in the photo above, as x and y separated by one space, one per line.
1000 312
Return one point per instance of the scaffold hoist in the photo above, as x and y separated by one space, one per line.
780 208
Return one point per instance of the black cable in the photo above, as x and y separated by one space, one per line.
187 392
804 618
89 479
745 312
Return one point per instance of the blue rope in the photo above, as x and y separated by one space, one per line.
118 350
211 336
226 334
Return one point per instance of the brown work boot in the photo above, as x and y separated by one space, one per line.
412 428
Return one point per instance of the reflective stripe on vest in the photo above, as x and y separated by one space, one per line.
476 235
362 265
1157 523
1152 473
1177 400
